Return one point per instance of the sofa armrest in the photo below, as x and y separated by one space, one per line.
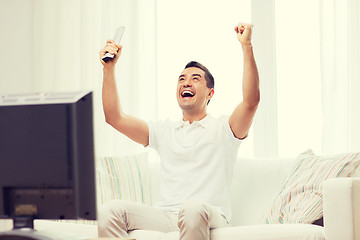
342 208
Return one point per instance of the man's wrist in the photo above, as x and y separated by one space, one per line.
246 45
109 68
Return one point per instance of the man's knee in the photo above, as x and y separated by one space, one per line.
109 211
193 214
112 219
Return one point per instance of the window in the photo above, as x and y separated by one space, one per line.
298 76
202 31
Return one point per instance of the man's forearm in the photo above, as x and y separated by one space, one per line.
110 98
251 92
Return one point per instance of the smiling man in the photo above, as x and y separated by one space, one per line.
197 153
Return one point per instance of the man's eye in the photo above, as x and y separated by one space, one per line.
181 79
196 79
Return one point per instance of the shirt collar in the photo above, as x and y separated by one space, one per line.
205 122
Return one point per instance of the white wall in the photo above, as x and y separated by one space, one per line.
16 44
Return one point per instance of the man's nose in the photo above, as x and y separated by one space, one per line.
187 82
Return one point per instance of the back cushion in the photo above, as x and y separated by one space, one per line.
256 183
126 178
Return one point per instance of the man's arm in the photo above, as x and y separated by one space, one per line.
242 117
134 128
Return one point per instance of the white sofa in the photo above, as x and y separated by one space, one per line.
256 183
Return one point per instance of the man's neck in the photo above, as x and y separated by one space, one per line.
191 117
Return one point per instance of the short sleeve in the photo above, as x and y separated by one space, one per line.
157 132
153 138
229 135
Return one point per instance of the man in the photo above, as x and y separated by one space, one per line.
197 153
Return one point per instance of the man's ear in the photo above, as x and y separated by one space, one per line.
211 93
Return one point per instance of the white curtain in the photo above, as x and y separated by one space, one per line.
340 61
68 34
265 122
340 76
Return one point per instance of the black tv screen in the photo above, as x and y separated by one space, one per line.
47 168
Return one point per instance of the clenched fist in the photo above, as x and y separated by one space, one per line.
243 31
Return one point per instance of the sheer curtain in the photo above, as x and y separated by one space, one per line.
67 38
209 39
319 110
340 51
53 45
266 121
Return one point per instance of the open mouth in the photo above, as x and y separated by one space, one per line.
187 94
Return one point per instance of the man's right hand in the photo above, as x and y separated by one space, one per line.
113 48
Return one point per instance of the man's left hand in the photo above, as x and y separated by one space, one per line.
243 31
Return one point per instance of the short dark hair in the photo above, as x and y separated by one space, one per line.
210 83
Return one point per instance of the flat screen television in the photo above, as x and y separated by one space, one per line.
47 168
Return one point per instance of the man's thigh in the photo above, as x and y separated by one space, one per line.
138 216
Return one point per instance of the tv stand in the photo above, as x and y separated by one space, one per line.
23 229
20 222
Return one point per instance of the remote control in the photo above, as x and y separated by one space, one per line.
118 35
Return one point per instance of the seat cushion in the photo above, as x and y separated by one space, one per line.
152 235
270 232
251 232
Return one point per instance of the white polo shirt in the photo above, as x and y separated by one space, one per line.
196 161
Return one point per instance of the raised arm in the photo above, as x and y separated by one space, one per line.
241 119
134 128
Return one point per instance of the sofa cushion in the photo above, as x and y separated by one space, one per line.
126 178
66 229
251 232
256 183
300 200
270 232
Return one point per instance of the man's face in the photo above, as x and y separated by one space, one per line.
192 92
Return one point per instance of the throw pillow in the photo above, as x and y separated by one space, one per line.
300 200
126 178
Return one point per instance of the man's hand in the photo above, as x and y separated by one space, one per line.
113 48
243 31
